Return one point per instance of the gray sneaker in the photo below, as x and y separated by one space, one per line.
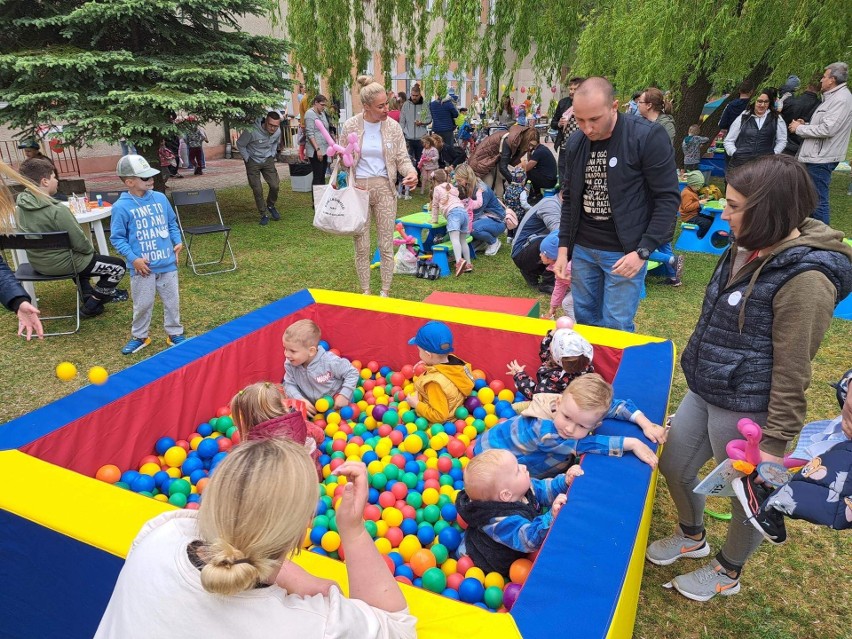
667 551
706 582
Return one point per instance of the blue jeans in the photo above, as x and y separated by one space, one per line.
486 229
665 255
821 175
601 298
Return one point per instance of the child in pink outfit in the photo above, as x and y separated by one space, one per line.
561 288
447 199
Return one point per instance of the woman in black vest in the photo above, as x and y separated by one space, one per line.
765 311
758 131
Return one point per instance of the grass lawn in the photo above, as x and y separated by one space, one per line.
799 589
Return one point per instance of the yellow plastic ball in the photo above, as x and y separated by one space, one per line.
383 401
370 423
430 454
384 545
409 545
174 473
366 373
413 444
149 469
329 489
490 420
175 456
449 567
375 467
333 418
330 541
322 404
506 395
430 496
340 435
475 573
393 516
381 528
379 391
494 579
66 371
431 461
331 429
193 443
351 449
490 409
448 491
470 431
161 497
485 395
383 447
98 375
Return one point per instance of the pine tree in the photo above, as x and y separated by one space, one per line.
107 69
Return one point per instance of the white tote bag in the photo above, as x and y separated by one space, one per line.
341 211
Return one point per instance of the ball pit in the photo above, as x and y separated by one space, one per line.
414 469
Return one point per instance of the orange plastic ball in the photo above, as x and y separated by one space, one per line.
520 570
421 561
108 473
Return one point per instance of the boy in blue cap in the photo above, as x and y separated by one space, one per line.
447 381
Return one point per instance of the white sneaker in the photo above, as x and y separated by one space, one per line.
493 248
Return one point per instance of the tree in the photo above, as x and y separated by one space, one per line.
109 69
692 48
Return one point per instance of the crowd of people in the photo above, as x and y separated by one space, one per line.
765 311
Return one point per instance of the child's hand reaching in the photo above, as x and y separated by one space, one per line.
652 431
340 401
558 503
412 401
350 510
513 368
642 451
572 473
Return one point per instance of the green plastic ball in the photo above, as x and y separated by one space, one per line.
391 471
431 513
409 416
493 597
180 486
462 412
435 580
441 553
415 500
178 499
379 481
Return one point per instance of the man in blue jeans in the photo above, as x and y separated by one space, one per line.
619 205
826 138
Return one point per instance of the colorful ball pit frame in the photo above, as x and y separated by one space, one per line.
63 534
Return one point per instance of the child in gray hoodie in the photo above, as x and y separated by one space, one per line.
310 371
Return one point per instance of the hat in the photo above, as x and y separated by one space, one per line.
842 387
695 179
29 144
135 166
791 84
434 337
569 343
550 245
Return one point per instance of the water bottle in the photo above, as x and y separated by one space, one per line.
100 200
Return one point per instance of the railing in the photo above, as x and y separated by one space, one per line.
65 159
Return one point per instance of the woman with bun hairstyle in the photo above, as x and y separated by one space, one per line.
383 154
216 572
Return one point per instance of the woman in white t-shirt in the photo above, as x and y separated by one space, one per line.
383 155
223 571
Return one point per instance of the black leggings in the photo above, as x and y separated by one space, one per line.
528 261
109 270
319 167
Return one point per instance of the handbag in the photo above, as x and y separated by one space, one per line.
342 211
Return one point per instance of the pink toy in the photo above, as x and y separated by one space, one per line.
564 322
748 450
347 153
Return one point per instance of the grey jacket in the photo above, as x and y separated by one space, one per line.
411 113
326 374
826 138
258 145
313 133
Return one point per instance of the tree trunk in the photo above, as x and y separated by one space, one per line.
693 97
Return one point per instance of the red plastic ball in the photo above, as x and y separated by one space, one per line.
183 444
432 483
149 459
338 445
496 385
336 351
236 438
225 444
464 564
419 369
368 385
224 410
409 512
432 473
399 490
407 371
454 580
373 366
397 460
372 512
403 580
390 563
394 535
456 448
335 463
445 464
384 430
397 379
461 522
387 499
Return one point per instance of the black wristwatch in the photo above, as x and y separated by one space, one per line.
643 253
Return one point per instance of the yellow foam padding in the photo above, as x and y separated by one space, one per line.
79 507
624 617
487 319
109 518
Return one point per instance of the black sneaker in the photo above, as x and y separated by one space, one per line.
768 521
92 308
274 212
119 295
264 220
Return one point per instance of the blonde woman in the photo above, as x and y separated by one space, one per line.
383 155
212 572
12 294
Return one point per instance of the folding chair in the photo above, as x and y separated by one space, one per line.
26 273
184 199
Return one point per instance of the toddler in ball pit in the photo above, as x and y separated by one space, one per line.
310 372
503 506
554 429
447 381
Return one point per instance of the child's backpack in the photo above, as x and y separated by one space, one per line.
512 194
465 131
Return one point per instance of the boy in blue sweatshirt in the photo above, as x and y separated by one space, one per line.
546 436
144 230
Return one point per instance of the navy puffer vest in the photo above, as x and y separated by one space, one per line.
753 142
732 368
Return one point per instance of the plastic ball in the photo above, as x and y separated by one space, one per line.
434 580
408 546
330 541
163 444
175 456
421 561
494 579
207 448
108 473
486 396
520 570
450 538
510 595
143 483
66 371
98 375
493 597
471 591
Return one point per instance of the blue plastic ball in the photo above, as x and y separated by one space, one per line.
369 457
449 513
324 344
194 498
479 413
319 550
316 535
417 582
204 429
142 483
408 527
404 571
191 465
346 412
324 459
218 457
470 590
450 593
450 537
479 383
396 558
322 507
373 496
128 476
207 448
426 534
197 475
163 444
160 478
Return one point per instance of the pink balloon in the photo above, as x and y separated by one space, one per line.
746 450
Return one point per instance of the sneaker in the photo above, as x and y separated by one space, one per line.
92 307
178 175
468 268
460 267
672 281
384 294
274 212
119 295
667 551
768 521
135 345
493 248
706 582
678 268
174 340
264 220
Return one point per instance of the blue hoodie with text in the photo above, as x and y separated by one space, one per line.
145 226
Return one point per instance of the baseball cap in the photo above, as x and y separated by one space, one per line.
29 144
135 166
550 245
569 343
434 337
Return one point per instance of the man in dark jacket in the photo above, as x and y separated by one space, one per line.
16 299
736 107
539 221
619 205
800 107
444 114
